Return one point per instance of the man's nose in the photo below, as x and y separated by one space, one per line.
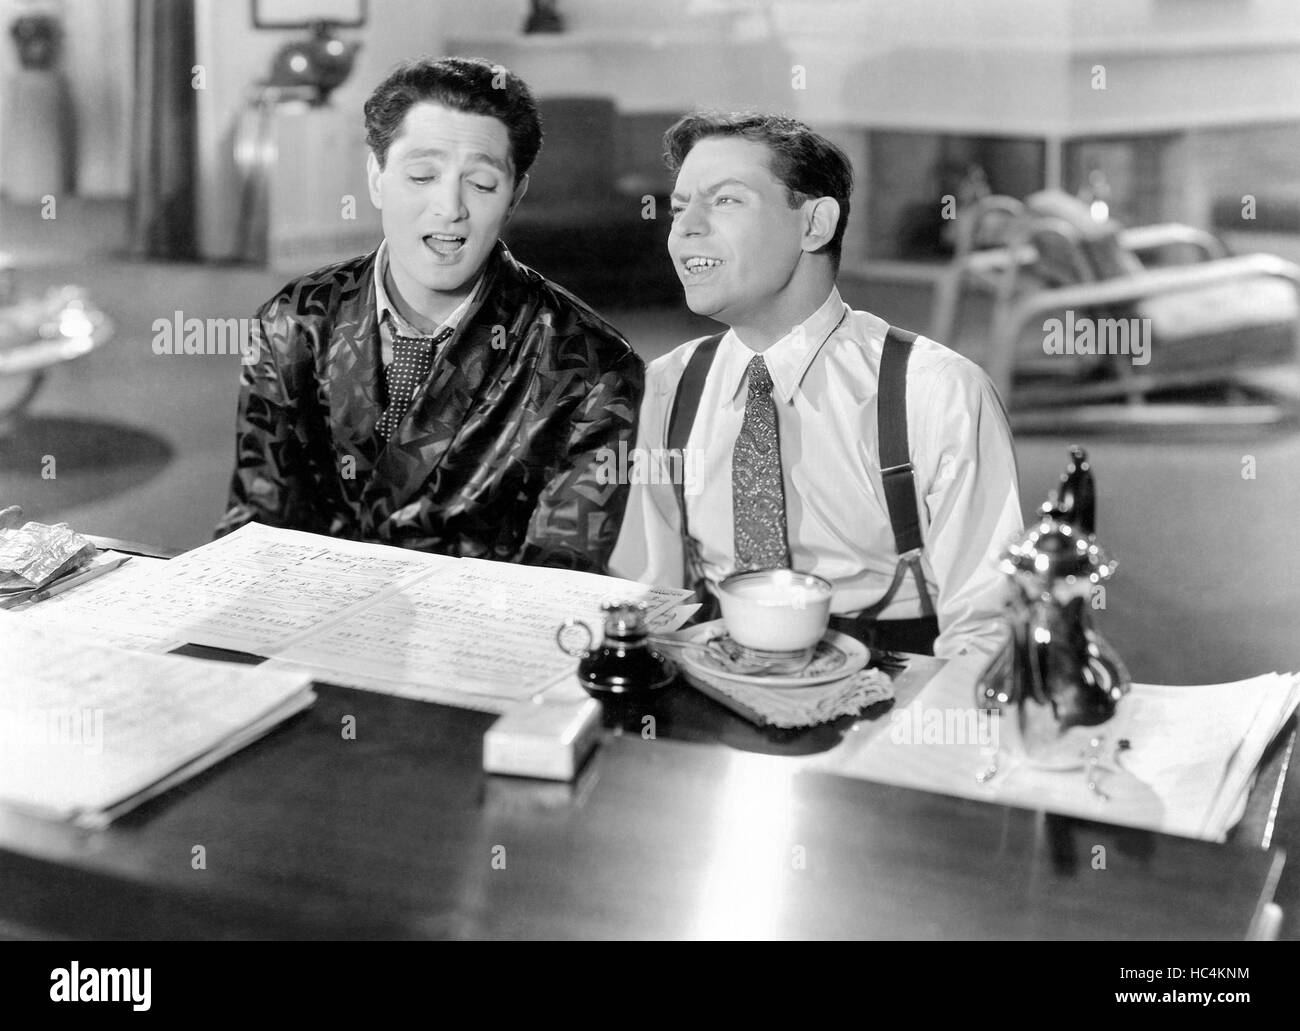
691 221
447 199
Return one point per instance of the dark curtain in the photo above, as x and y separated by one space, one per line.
163 222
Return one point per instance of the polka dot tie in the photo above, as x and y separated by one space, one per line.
405 374
757 490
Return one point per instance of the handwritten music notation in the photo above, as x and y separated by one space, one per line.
96 610
368 612
251 591
481 627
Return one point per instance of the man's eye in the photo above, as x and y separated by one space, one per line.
484 187
677 212
423 178
727 199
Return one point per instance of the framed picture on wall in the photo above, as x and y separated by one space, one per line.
300 14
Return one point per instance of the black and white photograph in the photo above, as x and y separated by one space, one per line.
651 470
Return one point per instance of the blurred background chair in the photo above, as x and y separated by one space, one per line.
1207 319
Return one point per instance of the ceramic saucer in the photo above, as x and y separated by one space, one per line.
837 656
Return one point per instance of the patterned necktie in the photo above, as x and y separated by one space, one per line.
757 491
405 374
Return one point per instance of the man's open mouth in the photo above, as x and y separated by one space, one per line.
444 243
698 265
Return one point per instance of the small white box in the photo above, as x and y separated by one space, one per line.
548 739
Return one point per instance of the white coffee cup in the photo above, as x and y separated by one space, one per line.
777 615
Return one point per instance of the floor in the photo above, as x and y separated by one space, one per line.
1208 584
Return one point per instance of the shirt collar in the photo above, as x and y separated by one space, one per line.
789 358
387 311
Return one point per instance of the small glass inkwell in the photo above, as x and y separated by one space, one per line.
623 665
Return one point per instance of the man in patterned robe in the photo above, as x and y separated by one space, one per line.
436 394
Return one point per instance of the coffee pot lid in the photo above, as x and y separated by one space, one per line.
1062 545
1055 550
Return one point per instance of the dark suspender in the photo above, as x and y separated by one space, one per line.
896 469
895 460
680 420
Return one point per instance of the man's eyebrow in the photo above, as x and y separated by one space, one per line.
495 162
477 156
710 191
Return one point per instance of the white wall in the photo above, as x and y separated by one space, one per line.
1155 21
993 55
235 56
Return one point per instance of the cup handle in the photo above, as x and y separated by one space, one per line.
570 632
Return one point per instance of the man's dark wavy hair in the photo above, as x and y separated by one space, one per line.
468 84
808 164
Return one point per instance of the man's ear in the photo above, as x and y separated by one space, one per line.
373 172
821 216
517 196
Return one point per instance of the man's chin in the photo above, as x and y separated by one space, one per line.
709 307
450 284
453 278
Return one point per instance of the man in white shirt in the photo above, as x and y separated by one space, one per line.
759 212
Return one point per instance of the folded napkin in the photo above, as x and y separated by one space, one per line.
794 707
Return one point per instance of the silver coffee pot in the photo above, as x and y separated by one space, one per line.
1056 675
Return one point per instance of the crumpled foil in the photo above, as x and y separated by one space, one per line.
34 554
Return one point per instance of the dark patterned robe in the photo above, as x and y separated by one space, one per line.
498 455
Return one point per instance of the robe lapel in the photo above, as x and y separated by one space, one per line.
351 377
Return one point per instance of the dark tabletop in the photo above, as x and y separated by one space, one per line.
708 829
398 833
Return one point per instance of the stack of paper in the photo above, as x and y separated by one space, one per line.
1190 760
89 732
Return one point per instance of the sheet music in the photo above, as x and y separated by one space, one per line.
419 692
251 591
92 610
260 587
482 627
84 726
384 618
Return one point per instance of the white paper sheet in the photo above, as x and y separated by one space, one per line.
1193 752
258 588
418 692
92 611
252 591
84 728
365 615
482 628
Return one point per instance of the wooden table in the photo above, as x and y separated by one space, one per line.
708 830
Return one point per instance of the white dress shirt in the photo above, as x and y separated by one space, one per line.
392 323
825 374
